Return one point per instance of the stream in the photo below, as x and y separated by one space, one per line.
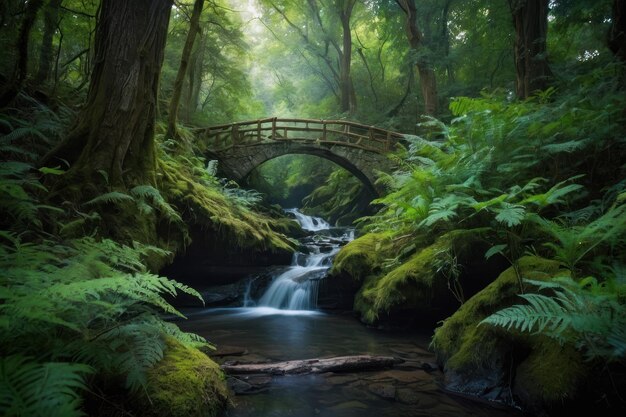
283 324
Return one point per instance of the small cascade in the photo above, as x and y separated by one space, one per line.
296 288
310 223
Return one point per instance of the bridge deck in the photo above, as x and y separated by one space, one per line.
331 132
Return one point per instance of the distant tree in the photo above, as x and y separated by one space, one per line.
315 25
428 80
530 19
14 84
50 21
194 28
617 33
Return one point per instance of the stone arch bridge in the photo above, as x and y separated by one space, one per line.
241 147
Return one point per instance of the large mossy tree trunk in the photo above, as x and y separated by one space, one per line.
194 28
428 80
113 140
530 19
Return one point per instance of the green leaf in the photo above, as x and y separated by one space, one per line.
510 214
52 171
494 250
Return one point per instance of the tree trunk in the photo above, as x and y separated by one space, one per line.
346 89
428 80
194 28
196 64
14 85
617 33
316 366
51 13
115 130
530 19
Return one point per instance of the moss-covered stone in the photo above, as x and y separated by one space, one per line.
414 283
363 256
185 383
204 206
494 363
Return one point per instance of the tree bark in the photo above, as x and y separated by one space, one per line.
428 80
194 28
51 14
196 64
14 85
617 33
114 135
346 88
530 19
316 366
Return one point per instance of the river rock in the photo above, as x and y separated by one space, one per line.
407 396
228 351
386 391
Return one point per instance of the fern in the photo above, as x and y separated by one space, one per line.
594 322
28 388
112 197
573 243
149 196
510 214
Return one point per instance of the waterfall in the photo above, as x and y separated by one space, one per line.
296 288
309 223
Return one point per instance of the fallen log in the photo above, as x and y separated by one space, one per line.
315 366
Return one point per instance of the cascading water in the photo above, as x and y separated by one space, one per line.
310 223
296 288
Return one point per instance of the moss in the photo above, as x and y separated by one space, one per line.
363 256
415 282
460 342
185 383
551 372
468 351
205 206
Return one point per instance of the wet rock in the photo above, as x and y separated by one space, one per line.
238 386
348 405
249 385
227 351
407 396
386 391
400 376
340 379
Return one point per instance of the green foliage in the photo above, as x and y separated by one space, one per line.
50 389
573 242
594 321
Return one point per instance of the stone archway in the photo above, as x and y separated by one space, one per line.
237 162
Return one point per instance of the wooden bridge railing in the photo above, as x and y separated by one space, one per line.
331 132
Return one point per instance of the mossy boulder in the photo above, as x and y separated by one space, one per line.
363 256
415 284
185 383
507 366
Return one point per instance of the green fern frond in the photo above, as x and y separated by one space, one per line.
590 320
510 214
40 389
109 198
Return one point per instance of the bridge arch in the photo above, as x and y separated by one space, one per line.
360 149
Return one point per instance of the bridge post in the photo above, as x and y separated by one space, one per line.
324 130
235 133
387 142
273 128
258 130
